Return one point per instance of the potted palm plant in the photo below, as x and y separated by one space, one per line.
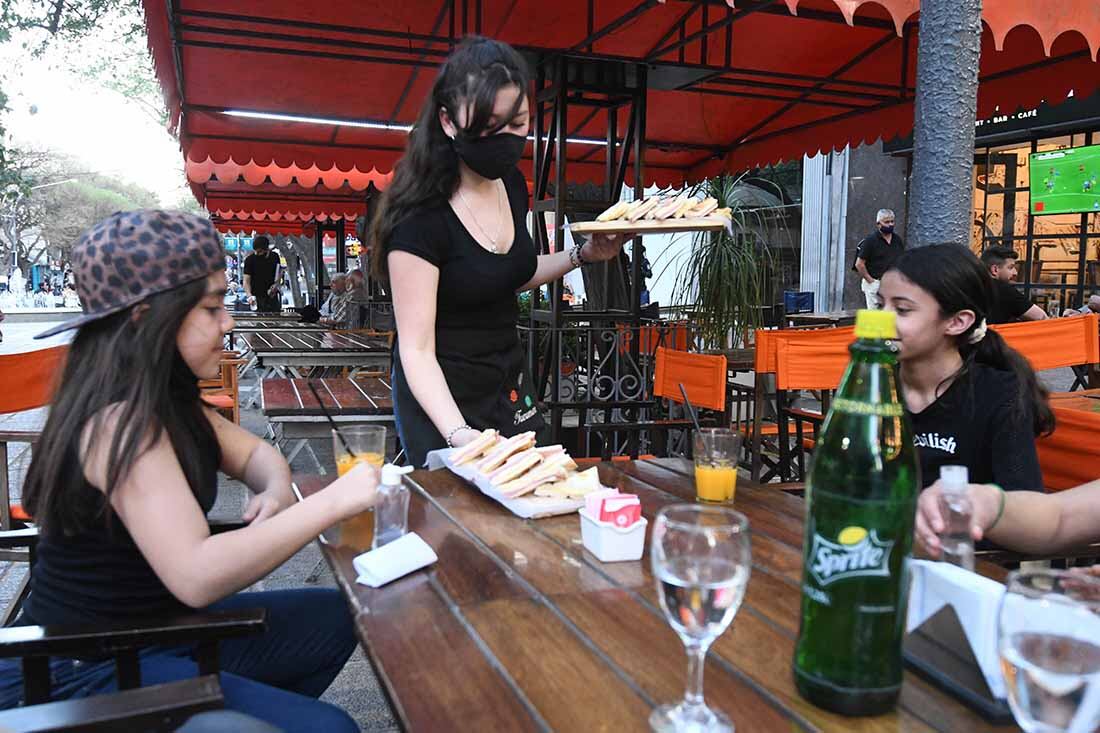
724 274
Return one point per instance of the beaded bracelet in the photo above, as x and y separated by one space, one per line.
575 258
451 435
1001 509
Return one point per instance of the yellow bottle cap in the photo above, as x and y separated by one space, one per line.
876 325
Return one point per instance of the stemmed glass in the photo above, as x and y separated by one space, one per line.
701 559
1049 643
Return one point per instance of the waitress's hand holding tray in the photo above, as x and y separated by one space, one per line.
658 215
530 482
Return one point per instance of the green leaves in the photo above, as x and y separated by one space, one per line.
724 275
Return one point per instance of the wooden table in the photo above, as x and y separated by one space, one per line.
833 318
517 628
296 417
252 325
297 354
737 360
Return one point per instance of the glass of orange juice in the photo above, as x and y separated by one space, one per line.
368 444
716 452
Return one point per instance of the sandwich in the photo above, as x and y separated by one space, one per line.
504 450
614 212
683 209
574 486
647 205
704 209
516 466
475 448
551 470
667 209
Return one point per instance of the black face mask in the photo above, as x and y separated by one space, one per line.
491 156
887 228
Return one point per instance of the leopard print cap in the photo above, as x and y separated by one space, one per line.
131 255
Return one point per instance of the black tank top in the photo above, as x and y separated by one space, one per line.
99 574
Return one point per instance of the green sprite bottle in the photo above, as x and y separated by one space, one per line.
861 499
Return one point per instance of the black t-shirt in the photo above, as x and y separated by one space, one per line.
977 424
262 271
1008 303
477 289
878 254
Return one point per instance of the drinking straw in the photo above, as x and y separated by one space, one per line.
330 420
690 409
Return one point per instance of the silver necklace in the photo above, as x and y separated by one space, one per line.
500 221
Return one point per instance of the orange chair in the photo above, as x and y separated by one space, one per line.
1056 342
223 393
761 431
704 380
1070 456
804 365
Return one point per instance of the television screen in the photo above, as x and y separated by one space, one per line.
1065 181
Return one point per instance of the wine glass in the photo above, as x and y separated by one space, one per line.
701 560
1049 642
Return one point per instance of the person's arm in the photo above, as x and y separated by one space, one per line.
1031 522
168 526
554 266
415 284
1034 313
861 268
257 464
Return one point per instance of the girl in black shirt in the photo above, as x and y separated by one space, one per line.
451 239
973 401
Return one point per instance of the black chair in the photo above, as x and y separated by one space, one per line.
36 644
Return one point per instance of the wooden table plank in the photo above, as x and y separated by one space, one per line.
340 396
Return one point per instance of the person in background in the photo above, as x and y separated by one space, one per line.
1092 305
1025 521
334 312
876 253
126 470
43 298
69 298
357 299
261 273
972 400
1009 305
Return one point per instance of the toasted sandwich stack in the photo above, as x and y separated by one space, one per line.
662 208
515 467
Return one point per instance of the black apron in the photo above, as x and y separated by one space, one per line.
486 374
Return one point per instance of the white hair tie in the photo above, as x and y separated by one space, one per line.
978 333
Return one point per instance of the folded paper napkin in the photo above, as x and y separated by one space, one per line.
975 599
394 560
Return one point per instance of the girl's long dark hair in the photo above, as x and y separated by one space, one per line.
958 281
427 173
133 363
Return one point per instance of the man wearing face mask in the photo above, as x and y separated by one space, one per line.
876 254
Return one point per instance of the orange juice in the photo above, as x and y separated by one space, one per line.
715 483
358 531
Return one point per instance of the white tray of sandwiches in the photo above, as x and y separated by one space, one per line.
530 481
659 215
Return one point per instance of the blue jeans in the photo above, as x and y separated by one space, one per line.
276 677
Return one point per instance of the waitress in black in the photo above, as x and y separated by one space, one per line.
451 238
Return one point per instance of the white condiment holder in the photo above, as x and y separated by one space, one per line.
611 543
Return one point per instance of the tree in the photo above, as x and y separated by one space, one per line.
47 219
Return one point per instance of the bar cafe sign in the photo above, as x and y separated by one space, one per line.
987 126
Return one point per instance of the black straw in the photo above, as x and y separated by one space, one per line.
690 409
330 420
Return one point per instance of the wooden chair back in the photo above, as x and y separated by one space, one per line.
703 377
1056 342
223 393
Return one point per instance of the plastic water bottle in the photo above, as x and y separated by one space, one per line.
957 543
391 513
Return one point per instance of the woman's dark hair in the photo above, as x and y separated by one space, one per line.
133 363
952 275
428 171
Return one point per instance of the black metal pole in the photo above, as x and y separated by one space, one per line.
946 106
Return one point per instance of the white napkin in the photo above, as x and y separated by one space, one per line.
394 560
975 599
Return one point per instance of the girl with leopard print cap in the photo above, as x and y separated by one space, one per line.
125 472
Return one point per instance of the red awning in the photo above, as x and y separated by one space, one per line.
797 76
